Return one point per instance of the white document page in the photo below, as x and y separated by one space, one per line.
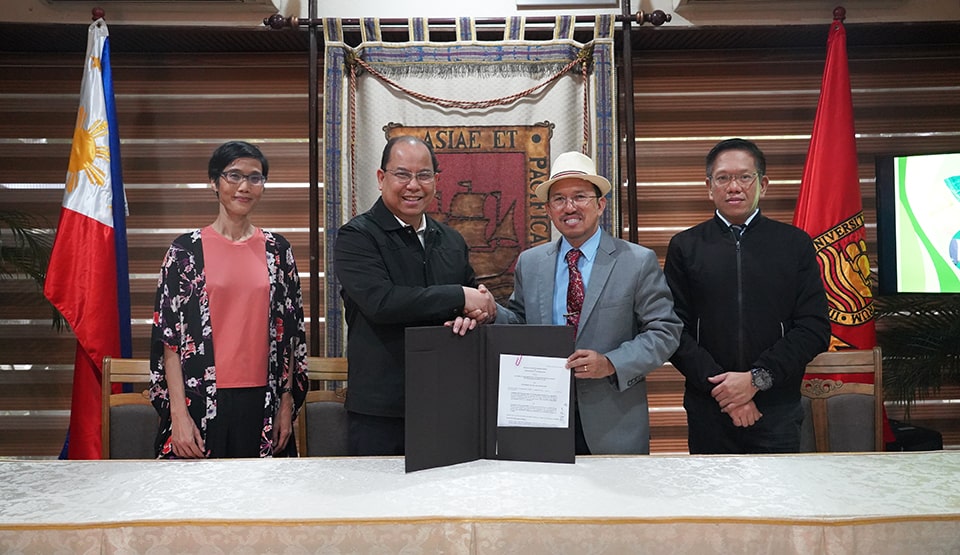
534 392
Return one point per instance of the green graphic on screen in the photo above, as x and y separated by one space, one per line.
928 223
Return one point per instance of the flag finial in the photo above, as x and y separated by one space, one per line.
839 13
98 13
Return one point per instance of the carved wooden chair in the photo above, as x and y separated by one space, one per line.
843 412
322 423
129 423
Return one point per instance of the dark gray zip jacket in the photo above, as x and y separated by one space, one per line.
756 302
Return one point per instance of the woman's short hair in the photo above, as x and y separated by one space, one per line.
230 151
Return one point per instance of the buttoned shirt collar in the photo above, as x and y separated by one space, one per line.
745 224
421 229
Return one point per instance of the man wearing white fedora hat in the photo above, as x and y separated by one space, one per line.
616 297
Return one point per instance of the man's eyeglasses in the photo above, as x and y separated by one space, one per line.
559 202
725 180
236 178
404 177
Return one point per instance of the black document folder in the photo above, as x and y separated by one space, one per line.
452 385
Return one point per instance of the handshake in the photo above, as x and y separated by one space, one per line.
479 304
479 307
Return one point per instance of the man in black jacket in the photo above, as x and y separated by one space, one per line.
397 268
749 292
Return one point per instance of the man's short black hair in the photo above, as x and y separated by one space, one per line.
737 144
388 150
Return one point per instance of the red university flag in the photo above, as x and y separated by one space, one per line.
87 279
830 207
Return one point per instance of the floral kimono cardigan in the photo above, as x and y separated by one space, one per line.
181 320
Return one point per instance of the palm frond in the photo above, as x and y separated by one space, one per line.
25 247
920 337
29 250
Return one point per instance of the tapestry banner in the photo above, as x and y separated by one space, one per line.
496 113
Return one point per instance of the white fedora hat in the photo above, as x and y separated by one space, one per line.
576 166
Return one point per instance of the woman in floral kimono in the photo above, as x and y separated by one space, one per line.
228 350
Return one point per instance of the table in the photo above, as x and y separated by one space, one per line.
864 503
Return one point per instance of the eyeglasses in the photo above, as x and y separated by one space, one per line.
559 202
404 177
236 178
724 180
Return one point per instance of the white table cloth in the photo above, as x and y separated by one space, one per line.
866 503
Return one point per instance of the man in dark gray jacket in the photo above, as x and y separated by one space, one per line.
749 292
397 268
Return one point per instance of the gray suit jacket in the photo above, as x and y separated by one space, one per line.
627 315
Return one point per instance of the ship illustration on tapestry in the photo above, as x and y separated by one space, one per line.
493 241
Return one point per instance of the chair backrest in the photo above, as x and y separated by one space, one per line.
322 425
843 402
128 422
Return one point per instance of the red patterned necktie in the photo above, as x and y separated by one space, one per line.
574 289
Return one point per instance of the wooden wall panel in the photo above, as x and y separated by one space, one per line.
175 108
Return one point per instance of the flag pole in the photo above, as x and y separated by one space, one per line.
313 119
630 133
119 208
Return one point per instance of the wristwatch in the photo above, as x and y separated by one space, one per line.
761 379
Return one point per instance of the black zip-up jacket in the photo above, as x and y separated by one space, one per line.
756 302
390 282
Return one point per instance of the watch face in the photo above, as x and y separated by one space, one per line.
761 379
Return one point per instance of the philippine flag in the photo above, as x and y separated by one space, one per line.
87 279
